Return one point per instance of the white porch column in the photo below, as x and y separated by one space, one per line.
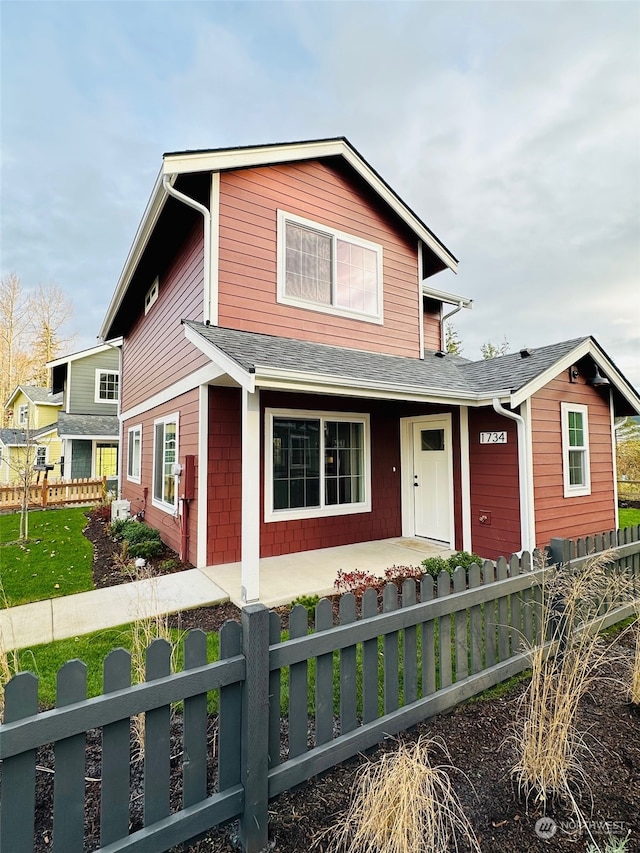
250 571
466 478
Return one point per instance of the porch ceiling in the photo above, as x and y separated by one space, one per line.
282 579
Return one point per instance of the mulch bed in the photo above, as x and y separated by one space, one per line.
476 735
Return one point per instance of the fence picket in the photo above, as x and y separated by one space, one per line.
502 573
428 641
410 648
194 762
157 739
324 677
18 801
444 633
390 659
369 661
348 674
69 756
116 749
489 611
460 625
275 699
475 622
298 687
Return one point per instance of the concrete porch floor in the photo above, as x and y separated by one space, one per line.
282 579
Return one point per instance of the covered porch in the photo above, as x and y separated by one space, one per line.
286 577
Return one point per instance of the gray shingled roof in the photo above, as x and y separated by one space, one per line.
435 374
86 425
41 395
12 436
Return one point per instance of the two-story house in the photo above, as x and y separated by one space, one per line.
88 383
284 385
32 437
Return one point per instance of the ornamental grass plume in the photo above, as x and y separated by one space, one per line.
403 804
548 740
634 687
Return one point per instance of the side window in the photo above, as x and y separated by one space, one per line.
165 454
134 453
23 415
107 386
575 450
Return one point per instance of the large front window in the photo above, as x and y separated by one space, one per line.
319 464
165 456
575 447
327 270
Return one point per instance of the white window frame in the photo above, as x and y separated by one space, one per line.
323 511
23 414
578 490
334 234
100 372
165 506
39 449
132 432
151 296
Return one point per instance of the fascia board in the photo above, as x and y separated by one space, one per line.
203 161
145 229
112 437
587 347
449 298
221 360
277 378
114 342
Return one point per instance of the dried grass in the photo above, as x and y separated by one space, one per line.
634 686
548 739
404 804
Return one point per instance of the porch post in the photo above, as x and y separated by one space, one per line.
250 569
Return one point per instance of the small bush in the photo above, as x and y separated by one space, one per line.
138 539
170 565
147 549
101 512
434 565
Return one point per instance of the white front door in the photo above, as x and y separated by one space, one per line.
432 478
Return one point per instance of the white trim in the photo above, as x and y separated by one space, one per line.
203 473
23 409
94 454
465 479
151 296
444 296
285 217
65 359
81 437
220 359
322 511
420 302
250 532
584 488
525 411
200 377
99 373
407 466
172 509
44 447
133 478
524 489
614 459
211 308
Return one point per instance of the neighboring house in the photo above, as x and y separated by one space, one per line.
284 387
88 383
33 413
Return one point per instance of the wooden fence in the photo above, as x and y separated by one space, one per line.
55 492
334 690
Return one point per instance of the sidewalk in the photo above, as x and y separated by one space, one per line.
73 615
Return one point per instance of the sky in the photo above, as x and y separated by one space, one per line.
511 128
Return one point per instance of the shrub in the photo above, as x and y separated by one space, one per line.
434 565
356 581
147 549
140 539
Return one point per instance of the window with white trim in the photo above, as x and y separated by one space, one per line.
107 386
41 455
165 455
23 415
134 453
327 270
151 296
575 450
318 464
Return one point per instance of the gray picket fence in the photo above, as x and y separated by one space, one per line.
347 686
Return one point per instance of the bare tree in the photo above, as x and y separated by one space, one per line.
49 310
15 362
21 462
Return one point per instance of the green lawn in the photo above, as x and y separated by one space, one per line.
628 517
56 559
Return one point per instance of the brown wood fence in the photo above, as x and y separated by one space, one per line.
55 493
348 686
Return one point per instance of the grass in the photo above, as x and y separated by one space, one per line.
56 560
628 517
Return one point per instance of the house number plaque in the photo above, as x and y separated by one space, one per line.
493 437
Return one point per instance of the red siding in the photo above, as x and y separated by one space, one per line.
431 323
187 408
155 353
578 516
495 493
249 201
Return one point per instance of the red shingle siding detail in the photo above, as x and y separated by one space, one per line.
187 408
495 489
225 476
571 517
431 323
249 201
155 353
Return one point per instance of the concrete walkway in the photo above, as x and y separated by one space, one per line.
282 579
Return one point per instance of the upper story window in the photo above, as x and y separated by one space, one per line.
23 415
575 450
151 295
134 453
327 270
107 386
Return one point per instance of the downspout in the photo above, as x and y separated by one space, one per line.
443 320
191 202
525 537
